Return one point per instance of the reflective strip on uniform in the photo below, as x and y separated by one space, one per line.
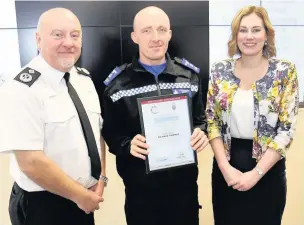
194 88
149 88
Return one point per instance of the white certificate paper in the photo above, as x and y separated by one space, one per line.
167 125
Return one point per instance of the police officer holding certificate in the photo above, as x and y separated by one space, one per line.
169 196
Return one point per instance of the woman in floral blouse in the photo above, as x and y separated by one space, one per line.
251 110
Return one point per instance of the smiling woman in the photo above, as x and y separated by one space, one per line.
252 32
252 105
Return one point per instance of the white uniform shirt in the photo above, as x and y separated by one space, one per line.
242 114
43 117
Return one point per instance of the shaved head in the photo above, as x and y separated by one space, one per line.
59 38
151 32
150 12
53 16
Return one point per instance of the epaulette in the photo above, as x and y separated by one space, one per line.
187 64
114 74
83 71
28 76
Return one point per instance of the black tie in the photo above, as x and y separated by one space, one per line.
86 128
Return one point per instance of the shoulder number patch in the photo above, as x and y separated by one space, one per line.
112 75
190 65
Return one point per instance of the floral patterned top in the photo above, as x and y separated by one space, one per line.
276 103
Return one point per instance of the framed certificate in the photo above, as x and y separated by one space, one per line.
166 122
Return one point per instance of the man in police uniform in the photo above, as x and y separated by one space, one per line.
168 197
50 122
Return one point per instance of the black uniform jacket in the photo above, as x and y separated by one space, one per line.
129 82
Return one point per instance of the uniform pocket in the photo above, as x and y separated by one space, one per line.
94 112
61 125
17 206
60 109
92 101
93 108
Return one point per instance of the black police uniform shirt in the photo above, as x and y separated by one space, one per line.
129 82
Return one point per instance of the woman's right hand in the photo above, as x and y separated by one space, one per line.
231 174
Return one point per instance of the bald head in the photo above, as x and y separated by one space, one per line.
151 32
54 16
150 13
59 38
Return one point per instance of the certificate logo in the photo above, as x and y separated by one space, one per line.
173 106
154 109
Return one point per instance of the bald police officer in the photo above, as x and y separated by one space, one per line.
50 123
168 197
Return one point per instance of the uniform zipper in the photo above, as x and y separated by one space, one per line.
157 85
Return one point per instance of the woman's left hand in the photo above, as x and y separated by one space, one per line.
247 181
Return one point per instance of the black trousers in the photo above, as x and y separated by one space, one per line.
162 198
262 205
45 208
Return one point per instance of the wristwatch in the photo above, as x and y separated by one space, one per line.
260 172
104 179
